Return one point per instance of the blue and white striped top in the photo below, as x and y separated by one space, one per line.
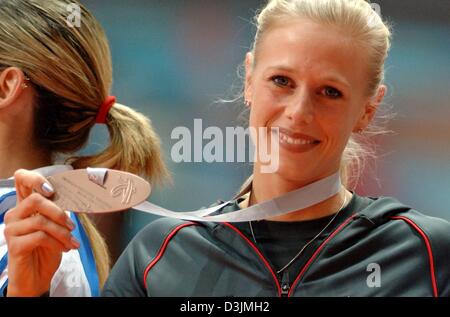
77 274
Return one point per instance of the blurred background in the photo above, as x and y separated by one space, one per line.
174 59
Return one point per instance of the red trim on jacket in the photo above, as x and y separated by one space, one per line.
313 257
163 248
429 250
255 248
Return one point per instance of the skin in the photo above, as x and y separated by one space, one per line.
17 149
311 79
36 230
287 87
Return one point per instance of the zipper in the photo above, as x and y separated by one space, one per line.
321 246
285 286
261 256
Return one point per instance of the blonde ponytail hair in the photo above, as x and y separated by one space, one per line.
134 146
71 72
359 20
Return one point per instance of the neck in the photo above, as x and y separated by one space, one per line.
18 151
278 186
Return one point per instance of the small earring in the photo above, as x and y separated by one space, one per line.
248 103
24 84
359 131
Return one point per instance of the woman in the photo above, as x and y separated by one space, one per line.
316 73
54 87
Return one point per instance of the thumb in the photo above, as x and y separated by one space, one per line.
28 182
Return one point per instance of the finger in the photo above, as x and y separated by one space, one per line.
41 223
28 182
23 245
35 203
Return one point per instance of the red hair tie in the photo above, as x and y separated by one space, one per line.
104 109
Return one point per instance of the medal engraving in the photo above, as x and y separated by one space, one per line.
126 189
76 191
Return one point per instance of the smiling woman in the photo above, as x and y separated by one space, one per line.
317 94
316 72
326 82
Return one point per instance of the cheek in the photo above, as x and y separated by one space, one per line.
265 109
337 130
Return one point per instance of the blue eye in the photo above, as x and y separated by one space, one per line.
332 92
280 81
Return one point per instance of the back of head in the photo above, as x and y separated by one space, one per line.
70 72
70 69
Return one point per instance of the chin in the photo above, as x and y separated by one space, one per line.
296 171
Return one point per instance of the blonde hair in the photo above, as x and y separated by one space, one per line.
366 27
71 72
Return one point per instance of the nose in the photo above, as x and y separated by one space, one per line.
299 107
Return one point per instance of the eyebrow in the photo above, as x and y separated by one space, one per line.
329 77
337 79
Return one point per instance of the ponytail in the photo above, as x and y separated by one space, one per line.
70 71
134 146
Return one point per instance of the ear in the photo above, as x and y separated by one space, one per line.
12 83
370 109
248 77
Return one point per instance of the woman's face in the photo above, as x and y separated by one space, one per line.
311 82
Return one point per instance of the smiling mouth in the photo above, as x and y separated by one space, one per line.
297 142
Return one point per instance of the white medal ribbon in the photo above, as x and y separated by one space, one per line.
298 199
44 171
53 169
97 175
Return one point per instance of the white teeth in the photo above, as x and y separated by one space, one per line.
290 140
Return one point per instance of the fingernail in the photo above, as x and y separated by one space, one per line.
75 242
46 187
70 224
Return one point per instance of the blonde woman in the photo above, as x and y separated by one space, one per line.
316 73
54 87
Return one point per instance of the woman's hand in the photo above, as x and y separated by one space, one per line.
37 232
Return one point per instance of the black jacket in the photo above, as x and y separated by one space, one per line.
385 249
